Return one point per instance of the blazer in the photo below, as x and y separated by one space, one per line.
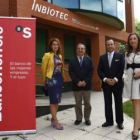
116 69
48 65
83 73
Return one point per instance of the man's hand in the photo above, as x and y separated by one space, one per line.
84 83
110 81
80 84
113 81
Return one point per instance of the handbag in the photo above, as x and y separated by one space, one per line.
45 91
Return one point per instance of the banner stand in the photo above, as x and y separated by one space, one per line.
21 132
17 76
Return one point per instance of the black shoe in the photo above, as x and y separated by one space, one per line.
77 122
120 126
88 122
135 137
106 124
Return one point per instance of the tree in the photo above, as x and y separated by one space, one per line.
137 26
122 46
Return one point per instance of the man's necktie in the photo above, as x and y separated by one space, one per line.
81 61
109 59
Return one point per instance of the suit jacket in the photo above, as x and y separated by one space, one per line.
83 73
116 69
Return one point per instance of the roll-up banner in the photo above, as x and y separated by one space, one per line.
17 76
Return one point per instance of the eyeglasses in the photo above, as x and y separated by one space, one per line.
80 48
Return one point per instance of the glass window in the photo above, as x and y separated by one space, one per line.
41 41
94 5
48 1
67 3
88 46
121 11
110 7
69 47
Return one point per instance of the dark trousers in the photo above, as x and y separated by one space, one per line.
118 105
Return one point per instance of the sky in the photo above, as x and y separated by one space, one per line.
137 9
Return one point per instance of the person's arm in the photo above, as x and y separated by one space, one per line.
72 73
45 61
121 69
125 65
100 70
62 70
90 74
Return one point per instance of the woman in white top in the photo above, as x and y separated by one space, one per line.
131 78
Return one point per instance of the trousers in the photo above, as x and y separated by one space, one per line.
79 97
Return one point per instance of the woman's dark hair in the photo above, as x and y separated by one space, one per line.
50 45
129 47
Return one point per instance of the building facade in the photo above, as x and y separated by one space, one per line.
74 21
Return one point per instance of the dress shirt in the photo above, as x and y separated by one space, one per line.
79 58
112 53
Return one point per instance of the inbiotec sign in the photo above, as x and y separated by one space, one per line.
49 11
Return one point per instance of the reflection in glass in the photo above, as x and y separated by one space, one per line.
94 5
121 11
110 7
67 3
49 1
69 47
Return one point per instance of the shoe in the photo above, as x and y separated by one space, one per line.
135 137
88 122
120 126
60 127
106 124
77 122
52 122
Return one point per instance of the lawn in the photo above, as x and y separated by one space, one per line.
128 108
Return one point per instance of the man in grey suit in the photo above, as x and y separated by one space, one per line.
81 71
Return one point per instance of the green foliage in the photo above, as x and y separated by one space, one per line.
6 138
122 47
137 27
128 108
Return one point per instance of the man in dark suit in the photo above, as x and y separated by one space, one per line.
110 71
81 71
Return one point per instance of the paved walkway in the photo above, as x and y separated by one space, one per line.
81 132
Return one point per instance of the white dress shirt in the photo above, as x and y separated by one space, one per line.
112 54
80 57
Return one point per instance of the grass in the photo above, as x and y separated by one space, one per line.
6 138
128 108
